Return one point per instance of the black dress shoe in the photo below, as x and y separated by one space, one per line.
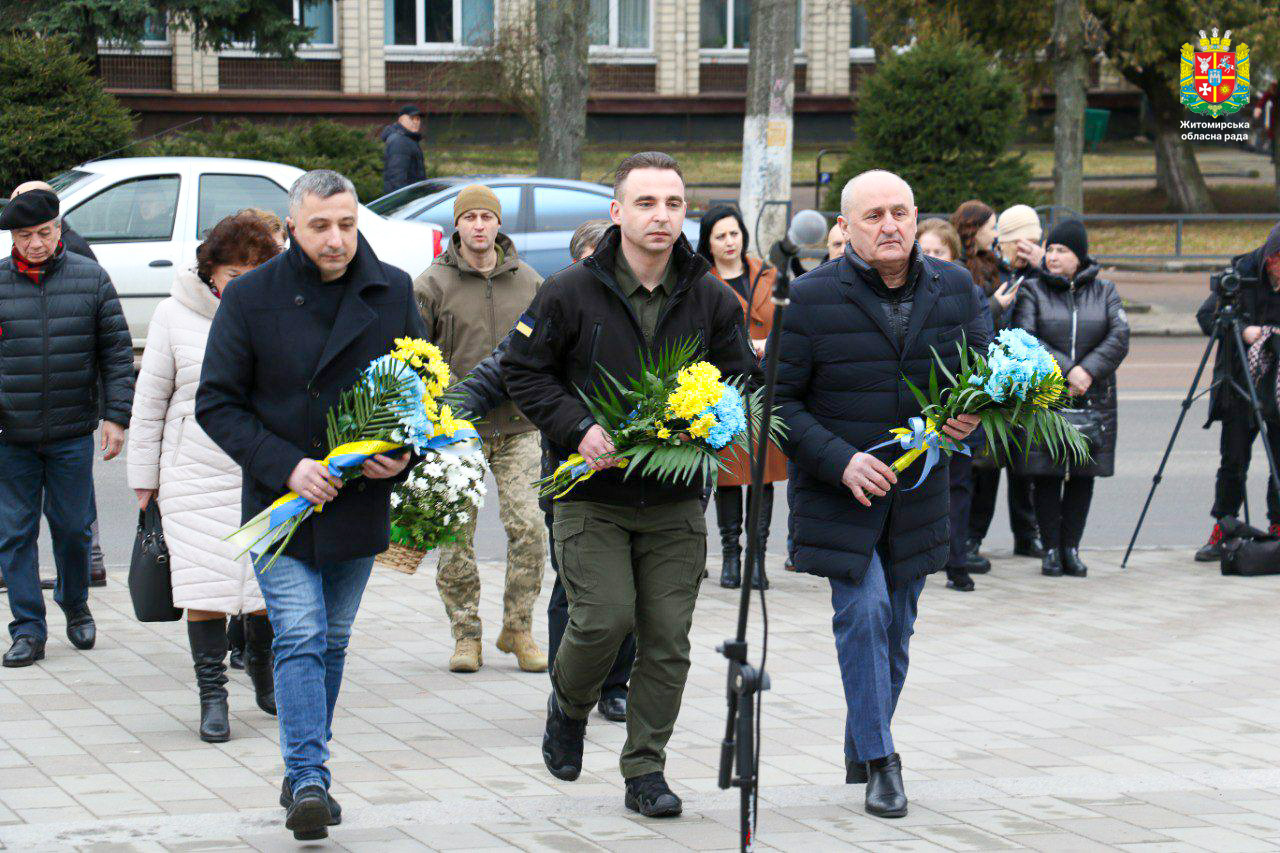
1072 565
24 652
959 580
613 708
286 800
80 628
652 797
98 576
308 815
48 583
1051 563
1032 547
562 742
855 772
886 796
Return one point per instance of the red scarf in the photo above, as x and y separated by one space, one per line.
33 271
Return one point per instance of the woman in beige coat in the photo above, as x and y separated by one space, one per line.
170 459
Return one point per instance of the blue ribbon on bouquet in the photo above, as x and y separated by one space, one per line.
920 438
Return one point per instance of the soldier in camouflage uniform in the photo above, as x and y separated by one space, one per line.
470 297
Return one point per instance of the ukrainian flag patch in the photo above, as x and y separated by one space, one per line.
525 324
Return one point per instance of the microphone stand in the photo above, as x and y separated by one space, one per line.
740 747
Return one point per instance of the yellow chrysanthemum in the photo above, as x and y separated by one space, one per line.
701 428
663 432
697 387
447 424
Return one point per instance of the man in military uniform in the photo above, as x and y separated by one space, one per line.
470 297
633 553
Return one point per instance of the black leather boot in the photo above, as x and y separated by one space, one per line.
886 796
1072 566
1051 563
759 580
257 661
235 641
209 651
729 520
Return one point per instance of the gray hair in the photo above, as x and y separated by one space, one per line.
851 189
321 183
587 236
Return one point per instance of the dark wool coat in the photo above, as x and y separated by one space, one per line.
62 343
1081 322
271 373
402 160
840 391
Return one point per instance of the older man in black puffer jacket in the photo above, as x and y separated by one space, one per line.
61 332
855 328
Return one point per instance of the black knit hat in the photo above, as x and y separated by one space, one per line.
1071 233
34 207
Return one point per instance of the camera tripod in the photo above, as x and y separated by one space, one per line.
1226 333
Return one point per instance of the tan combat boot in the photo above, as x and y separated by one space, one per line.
522 645
466 656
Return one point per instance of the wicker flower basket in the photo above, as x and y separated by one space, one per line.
402 558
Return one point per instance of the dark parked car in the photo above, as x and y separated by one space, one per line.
538 214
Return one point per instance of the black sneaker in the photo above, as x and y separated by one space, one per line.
1211 551
308 816
286 800
562 742
652 797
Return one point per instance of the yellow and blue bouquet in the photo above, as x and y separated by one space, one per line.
395 405
669 422
1016 391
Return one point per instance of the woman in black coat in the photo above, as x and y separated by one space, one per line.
1080 319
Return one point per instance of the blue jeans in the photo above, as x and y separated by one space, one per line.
312 608
57 476
873 624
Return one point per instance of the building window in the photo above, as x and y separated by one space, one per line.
432 22
619 23
860 30
316 14
726 24
155 31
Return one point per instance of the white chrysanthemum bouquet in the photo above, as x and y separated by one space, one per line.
429 508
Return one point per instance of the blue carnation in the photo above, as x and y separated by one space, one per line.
730 418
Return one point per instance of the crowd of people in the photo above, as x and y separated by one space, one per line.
265 328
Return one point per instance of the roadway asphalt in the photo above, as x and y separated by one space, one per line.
1153 381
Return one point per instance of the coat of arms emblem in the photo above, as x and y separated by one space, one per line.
1215 78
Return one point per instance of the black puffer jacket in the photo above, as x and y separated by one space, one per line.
58 339
402 160
1081 322
840 391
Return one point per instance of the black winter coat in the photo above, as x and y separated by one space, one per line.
271 373
580 325
60 342
402 160
1081 322
1258 305
840 391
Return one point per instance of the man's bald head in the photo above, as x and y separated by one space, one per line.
29 186
878 217
872 181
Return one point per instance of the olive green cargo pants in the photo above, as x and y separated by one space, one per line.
626 568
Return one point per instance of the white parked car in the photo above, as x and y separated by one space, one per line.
145 216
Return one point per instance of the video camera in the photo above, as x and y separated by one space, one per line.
1227 284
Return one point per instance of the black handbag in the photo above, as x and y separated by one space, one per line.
150 586
1090 424
1247 551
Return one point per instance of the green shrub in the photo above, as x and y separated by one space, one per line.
353 151
53 112
942 115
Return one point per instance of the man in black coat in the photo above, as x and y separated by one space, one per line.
402 160
631 553
77 244
288 339
855 328
62 338
1258 305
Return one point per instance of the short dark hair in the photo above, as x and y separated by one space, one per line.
643 160
242 239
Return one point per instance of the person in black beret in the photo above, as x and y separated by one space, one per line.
65 338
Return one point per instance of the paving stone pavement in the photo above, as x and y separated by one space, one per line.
1131 710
